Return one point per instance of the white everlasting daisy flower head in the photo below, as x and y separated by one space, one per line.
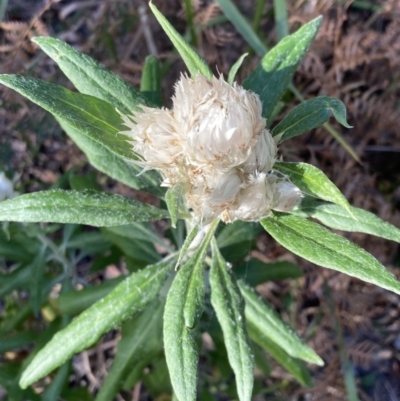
214 144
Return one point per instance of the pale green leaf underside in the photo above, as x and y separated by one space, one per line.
228 304
193 61
93 208
309 115
273 75
183 309
320 246
91 77
312 181
133 294
337 218
262 317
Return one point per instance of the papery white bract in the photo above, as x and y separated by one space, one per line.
215 144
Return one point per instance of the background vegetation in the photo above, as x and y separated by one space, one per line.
352 325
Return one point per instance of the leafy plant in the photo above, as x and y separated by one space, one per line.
94 119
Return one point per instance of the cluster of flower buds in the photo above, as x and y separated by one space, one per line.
214 144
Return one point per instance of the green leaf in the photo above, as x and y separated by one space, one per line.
313 181
234 69
93 117
309 115
337 218
256 272
53 391
107 162
264 318
142 232
281 18
273 75
294 366
93 123
129 297
17 341
36 283
173 199
229 307
90 77
318 245
260 359
182 312
87 243
186 245
235 240
237 232
140 339
193 61
74 302
234 15
93 208
17 279
134 248
150 85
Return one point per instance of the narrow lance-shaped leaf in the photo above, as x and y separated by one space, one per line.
265 320
150 84
337 218
91 77
193 61
187 243
273 75
74 302
94 117
309 115
313 181
37 270
109 163
255 272
239 22
140 339
318 245
235 68
294 366
89 117
228 304
182 312
93 208
132 295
